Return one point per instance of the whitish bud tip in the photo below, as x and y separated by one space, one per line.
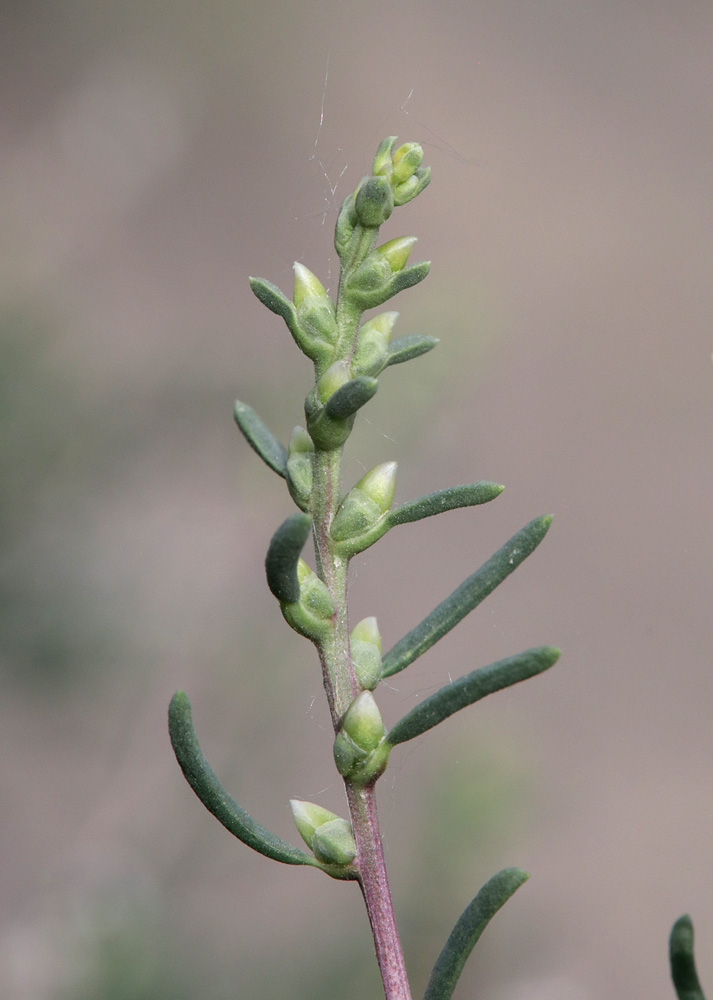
334 377
379 484
309 817
367 630
397 251
306 284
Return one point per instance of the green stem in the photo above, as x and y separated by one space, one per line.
342 686
338 673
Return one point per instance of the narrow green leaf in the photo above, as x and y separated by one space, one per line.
413 345
409 276
283 555
466 597
262 440
202 779
448 499
471 688
350 397
683 964
275 300
470 925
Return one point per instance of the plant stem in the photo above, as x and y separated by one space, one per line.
374 884
342 687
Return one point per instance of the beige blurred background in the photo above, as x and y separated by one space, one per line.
153 156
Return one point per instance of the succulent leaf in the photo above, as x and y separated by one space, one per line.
466 597
202 779
260 439
468 929
413 345
471 688
683 963
283 555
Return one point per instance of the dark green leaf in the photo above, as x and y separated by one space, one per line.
350 397
275 300
466 597
471 688
683 965
202 779
448 499
409 276
471 924
283 555
411 346
262 440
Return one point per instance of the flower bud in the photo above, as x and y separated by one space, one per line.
308 817
363 723
315 310
347 221
299 467
371 352
360 751
314 594
366 503
334 377
365 648
333 842
382 161
379 484
307 285
374 201
396 252
347 755
414 185
406 160
326 834
367 630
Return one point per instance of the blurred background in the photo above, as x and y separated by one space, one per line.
153 156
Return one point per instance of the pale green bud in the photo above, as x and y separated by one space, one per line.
365 648
366 503
355 515
299 467
379 484
314 594
378 268
382 161
326 834
334 378
371 352
315 310
362 764
371 276
367 663
363 723
347 755
307 285
374 201
396 252
333 843
311 612
414 185
406 160
308 817
367 630
346 223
